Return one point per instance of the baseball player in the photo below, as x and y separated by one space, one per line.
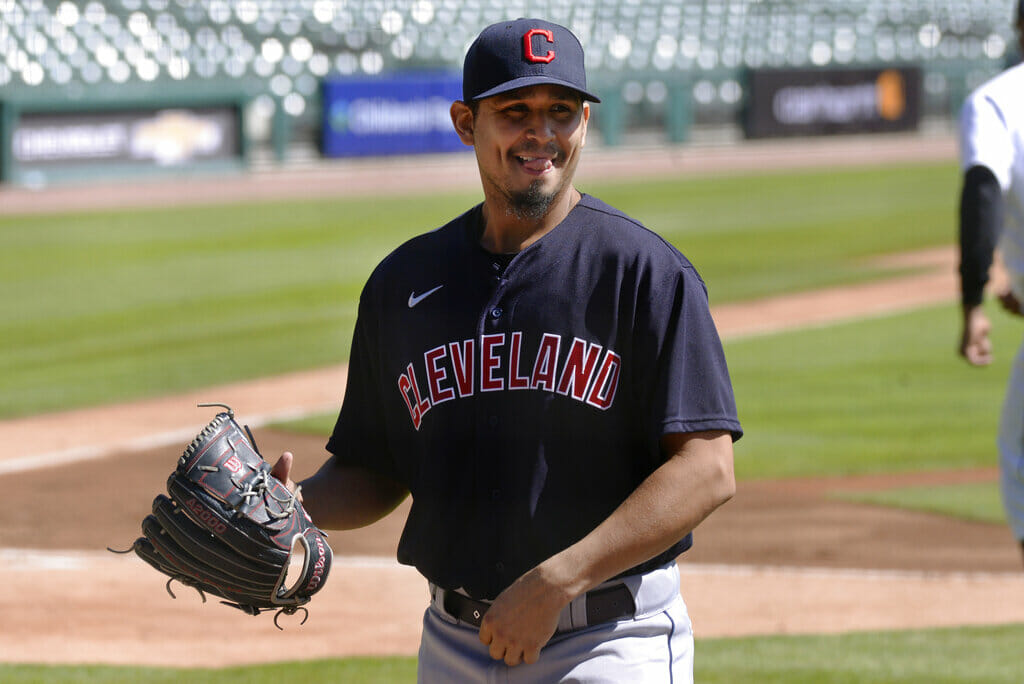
991 216
543 376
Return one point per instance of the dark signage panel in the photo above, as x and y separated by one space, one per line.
784 102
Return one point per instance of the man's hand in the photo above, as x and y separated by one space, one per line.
523 618
975 345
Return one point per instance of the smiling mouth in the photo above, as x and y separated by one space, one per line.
536 164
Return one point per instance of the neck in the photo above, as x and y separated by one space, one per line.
505 232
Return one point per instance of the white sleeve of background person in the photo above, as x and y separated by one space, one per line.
992 135
984 133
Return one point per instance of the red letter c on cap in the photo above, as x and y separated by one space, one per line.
528 45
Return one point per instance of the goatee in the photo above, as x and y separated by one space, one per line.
531 203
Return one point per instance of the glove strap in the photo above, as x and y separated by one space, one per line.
315 567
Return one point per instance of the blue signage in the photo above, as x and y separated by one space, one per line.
404 113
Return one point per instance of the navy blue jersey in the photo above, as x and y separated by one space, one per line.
522 403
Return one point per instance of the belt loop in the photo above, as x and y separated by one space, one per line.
578 612
565 619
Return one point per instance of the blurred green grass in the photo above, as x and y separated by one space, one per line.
775 233
974 501
349 670
117 305
887 394
962 655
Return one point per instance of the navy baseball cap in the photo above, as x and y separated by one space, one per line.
520 53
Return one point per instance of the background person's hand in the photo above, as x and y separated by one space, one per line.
975 345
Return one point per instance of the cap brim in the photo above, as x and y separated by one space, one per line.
531 81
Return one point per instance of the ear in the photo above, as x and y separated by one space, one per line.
462 120
583 122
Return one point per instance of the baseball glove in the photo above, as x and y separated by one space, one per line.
230 529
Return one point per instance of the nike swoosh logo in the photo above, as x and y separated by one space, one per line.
415 299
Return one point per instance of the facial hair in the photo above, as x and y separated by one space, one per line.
533 203
530 204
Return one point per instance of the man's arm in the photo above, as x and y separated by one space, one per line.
981 217
696 478
343 497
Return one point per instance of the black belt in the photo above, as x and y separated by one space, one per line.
603 605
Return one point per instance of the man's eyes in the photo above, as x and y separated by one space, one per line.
523 110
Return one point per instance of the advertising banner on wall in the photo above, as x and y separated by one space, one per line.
406 113
784 102
163 137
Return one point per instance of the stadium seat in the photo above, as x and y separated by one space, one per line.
278 51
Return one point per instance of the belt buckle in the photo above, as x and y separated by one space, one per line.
463 608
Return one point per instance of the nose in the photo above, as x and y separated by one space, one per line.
540 126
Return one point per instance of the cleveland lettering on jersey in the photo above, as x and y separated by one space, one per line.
496 363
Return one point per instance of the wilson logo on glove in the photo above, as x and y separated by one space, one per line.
319 568
234 465
231 529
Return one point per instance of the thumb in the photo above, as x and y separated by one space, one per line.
282 470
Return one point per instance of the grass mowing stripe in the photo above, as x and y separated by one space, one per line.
977 501
392 670
765 234
880 395
962 655
272 286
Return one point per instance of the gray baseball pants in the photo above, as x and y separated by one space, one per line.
654 646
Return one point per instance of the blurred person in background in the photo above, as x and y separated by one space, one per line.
992 217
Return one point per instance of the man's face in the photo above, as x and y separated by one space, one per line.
528 144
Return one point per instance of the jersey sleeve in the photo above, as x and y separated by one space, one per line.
360 435
985 138
691 387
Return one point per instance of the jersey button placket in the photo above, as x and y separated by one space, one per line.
492 318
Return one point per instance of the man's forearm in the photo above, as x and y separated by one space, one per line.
693 482
344 498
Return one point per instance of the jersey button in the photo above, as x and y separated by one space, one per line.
495 494
499 566
496 312
493 421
